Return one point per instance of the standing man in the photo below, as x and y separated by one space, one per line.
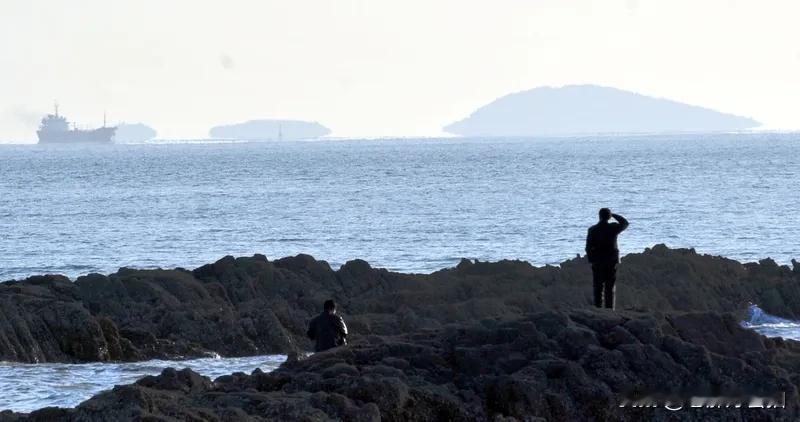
603 253
327 329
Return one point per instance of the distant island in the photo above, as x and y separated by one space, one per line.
269 129
582 109
134 132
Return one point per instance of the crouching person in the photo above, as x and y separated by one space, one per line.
327 329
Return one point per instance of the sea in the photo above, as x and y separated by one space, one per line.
411 205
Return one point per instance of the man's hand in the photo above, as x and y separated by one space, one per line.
622 221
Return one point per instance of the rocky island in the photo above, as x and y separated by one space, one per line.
497 341
270 130
591 109
134 132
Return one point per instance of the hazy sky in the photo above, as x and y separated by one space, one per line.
379 67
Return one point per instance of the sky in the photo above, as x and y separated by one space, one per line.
375 68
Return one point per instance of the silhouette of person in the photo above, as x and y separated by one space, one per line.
603 253
327 329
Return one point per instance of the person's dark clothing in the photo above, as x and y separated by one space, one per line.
601 241
603 253
328 331
604 276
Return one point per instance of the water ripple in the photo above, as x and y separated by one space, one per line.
410 205
27 387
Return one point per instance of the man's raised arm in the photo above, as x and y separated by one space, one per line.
623 223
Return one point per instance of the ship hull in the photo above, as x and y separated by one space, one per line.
104 135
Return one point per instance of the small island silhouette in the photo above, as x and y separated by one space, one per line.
134 132
270 129
582 109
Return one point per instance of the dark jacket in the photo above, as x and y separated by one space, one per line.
328 331
601 241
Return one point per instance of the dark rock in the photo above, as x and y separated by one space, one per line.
249 306
522 375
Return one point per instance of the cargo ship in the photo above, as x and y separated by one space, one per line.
55 130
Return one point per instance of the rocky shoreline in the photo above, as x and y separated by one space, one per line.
251 306
481 341
551 365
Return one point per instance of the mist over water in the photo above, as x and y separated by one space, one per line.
407 205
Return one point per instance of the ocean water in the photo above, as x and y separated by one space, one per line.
410 205
27 387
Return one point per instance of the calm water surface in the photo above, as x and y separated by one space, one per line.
409 205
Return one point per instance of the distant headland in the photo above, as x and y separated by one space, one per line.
270 129
583 109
